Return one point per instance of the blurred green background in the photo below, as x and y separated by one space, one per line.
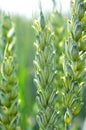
25 38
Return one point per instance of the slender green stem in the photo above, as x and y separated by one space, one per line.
67 127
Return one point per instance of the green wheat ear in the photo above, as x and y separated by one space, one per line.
44 76
74 63
9 115
58 26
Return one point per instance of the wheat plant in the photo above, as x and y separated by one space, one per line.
45 74
9 115
74 63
